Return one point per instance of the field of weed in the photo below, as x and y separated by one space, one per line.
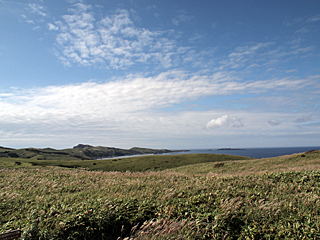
57 203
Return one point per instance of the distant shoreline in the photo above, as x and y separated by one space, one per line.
230 149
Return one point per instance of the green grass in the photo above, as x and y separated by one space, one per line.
79 152
292 162
134 164
276 198
10 163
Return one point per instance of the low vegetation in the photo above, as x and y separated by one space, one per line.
274 198
134 164
79 152
294 162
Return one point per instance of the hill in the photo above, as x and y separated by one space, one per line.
79 152
274 198
133 164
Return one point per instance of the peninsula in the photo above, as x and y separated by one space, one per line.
79 152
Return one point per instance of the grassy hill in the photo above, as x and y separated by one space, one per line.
274 198
294 162
79 152
134 164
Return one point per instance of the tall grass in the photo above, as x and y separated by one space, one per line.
54 203
294 162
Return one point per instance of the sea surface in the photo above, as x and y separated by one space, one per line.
248 152
254 152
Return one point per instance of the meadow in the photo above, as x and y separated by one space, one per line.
276 198
134 164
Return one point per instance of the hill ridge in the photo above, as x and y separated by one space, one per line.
80 151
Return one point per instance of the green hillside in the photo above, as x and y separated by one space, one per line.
200 196
294 162
133 164
79 152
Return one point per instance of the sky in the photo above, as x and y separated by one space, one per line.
176 74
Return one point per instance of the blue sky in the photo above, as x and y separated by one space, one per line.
159 74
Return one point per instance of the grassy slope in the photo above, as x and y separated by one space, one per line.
134 164
206 163
294 162
202 201
80 152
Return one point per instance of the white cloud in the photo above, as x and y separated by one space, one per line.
292 22
265 56
303 30
291 71
218 122
315 18
135 105
37 9
73 1
30 21
195 37
123 109
134 94
113 40
79 7
224 120
135 109
52 27
87 37
36 28
244 55
182 18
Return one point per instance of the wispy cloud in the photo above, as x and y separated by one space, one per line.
301 20
35 14
244 55
315 18
112 41
196 37
134 94
246 88
89 37
137 104
292 21
303 30
181 19
74 1
36 8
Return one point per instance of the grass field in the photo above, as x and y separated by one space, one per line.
276 198
135 164
79 152
294 162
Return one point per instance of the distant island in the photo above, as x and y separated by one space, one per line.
79 152
231 149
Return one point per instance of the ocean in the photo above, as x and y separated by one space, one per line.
254 152
248 152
